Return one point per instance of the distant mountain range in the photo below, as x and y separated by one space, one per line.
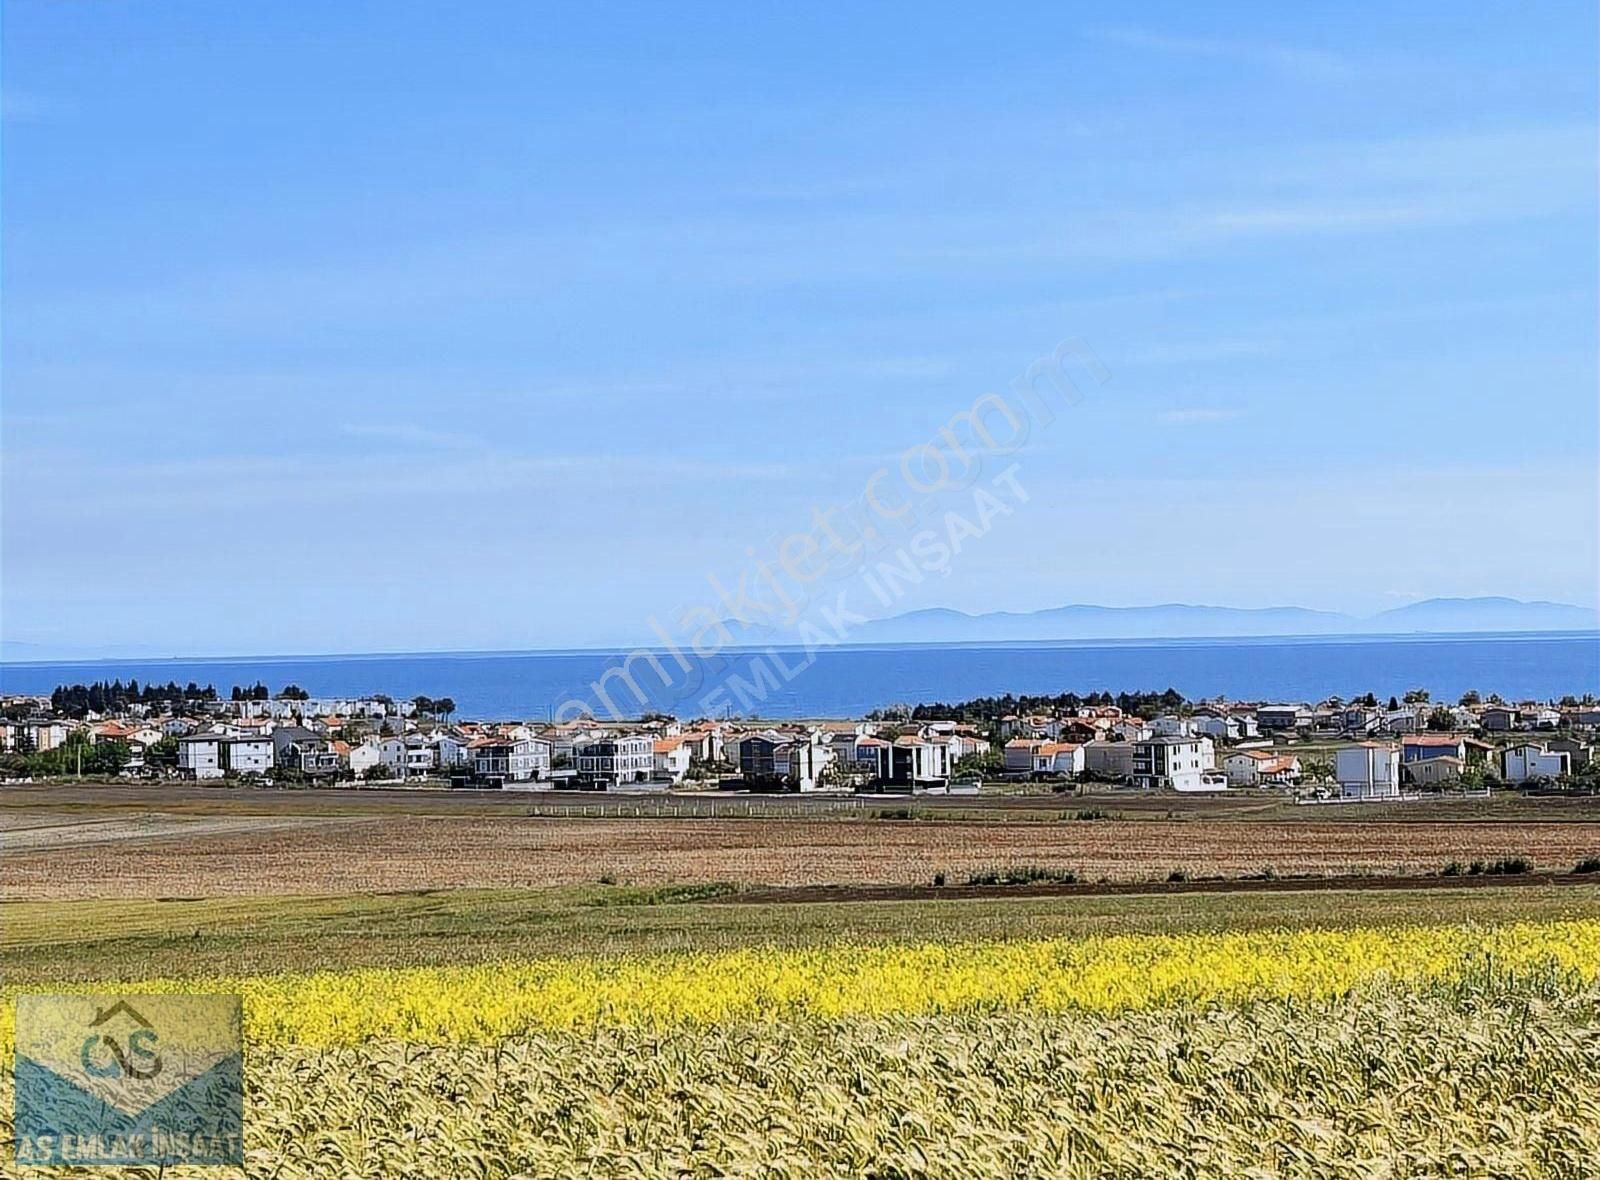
1434 616
1184 621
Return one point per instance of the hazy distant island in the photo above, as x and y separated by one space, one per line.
1441 616
1433 616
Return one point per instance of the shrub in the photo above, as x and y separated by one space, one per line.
1454 869
1506 866
1023 875
1589 864
938 880
1177 875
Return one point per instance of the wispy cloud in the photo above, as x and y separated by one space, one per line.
412 434
1303 63
1190 417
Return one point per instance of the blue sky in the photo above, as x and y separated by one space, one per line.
402 326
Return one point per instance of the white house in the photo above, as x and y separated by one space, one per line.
1226 728
917 762
1252 768
1170 763
200 755
672 758
251 754
501 761
365 755
422 756
392 750
1529 760
614 760
1171 725
1368 770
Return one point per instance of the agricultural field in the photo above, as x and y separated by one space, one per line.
439 986
197 843
1433 1050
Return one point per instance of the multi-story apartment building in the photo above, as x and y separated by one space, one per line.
1170 763
613 761
497 761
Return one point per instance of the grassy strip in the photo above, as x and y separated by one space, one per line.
88 940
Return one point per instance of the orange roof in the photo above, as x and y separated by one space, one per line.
668 744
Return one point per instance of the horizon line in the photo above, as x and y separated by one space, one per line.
656 649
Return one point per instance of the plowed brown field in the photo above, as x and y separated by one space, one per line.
180 857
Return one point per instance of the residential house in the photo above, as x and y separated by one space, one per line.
1226 727
1531 761
313 757
248 754
1360 720
916 762
200 755
671 757
1036 757
1168 763
1578 753
1283 718
1254 768
363 756
1420 747
1405 719
213 755
1019 755
1500 718
284 736
1108 759
501 761
796 760
39 735
616 760
1368 770
1438 771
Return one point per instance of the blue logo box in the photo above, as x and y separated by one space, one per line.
129 1079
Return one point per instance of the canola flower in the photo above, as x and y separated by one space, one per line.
1099 974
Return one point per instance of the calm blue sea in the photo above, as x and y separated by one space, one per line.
850 681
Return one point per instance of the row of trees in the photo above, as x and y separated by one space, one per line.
981 709
103 696
439 708
260 692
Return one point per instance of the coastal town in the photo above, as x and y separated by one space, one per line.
1355 750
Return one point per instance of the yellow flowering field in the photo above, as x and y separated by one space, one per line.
1416 1051
487 1003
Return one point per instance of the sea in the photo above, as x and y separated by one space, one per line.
843 682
